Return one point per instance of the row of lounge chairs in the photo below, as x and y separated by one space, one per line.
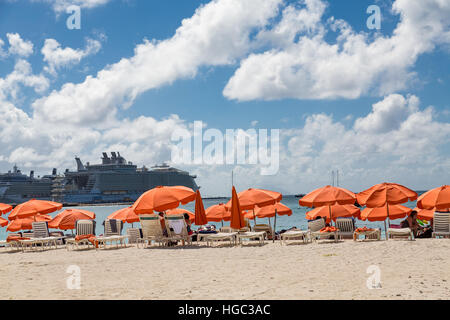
176 229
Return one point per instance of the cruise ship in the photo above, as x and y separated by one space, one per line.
16 187
114 180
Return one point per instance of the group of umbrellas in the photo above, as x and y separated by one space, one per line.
382 201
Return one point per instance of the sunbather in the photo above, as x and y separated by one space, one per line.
411 222
188 224
163 224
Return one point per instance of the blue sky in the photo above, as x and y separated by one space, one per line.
215 91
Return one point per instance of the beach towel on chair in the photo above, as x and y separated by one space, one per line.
90 237
177 226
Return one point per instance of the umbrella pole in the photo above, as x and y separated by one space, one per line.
222 223
254 218
387 211
331 220
274 226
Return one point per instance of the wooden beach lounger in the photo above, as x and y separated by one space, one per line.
152 230
441 225
400 233
304 235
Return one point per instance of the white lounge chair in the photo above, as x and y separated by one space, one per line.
112 236
403 233
134 236
304 235
40 238
219 237
260 236
152 230
441 225
346 227
264 228
317 225
83 227
177 229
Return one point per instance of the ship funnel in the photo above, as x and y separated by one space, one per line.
54 172
31 174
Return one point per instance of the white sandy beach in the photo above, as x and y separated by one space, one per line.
409 270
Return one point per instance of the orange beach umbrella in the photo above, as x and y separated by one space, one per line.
125 215
218 213
327 196
385 193
178 211
163 198
269 211
66 219
438 198
428 214
34 207
382 213
200 215
3 222
26 223
335 211
251 198
5 208
237 218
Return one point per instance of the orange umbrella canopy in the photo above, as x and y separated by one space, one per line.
5 208
438 198
328 196
3 222
125 215
381 213
385 193
249 199
337 211
218 213
26 223
269 211
66 219
181 211
200 215
163 198
237 218
428 214
34 207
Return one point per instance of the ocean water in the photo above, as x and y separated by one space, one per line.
297 219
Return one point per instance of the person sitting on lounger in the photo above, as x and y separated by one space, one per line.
188 224
411 222
163 223
425 232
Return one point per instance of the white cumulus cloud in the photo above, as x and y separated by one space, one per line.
58 57
311 67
